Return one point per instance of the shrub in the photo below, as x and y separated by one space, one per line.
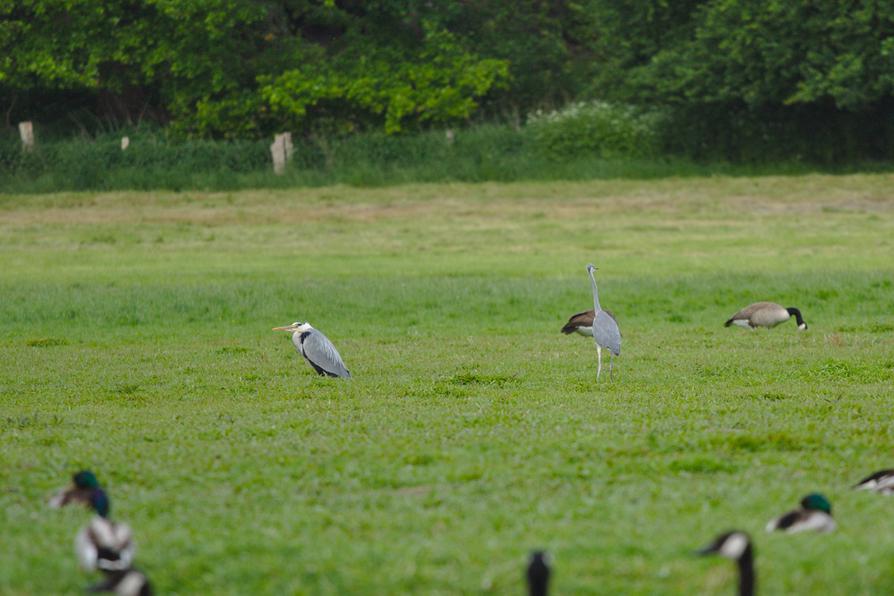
596 128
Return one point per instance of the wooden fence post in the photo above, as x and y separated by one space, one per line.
26 131
281 150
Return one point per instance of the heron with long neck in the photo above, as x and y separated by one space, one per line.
606 333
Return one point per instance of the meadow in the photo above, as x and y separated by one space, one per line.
136 341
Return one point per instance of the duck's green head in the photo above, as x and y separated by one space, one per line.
817 502
99 502
85 479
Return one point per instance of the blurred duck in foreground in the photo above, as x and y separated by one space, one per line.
103 545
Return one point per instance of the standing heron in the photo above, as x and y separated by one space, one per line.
316 349
605 330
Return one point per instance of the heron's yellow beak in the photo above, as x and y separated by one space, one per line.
286 328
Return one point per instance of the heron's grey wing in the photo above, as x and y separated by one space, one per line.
320 352
612 315
606 332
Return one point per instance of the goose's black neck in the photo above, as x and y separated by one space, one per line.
746 572
797 314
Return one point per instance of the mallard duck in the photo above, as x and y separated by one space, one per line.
736 546
538 573
102 545
82 484
815 514
880 482
765 314
129 582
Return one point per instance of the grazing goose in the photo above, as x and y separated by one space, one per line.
538 574
737 547
765 314
316 349
815 514
606 333
102 545
582 323
880 482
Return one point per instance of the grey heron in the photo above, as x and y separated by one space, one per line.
765 314
538 573
814 514
605 330
880 482
316 349
735 546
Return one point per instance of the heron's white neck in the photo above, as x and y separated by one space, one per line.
595 291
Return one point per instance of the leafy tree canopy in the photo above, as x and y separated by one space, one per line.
242 68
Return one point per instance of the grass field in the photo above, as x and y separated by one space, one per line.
136 341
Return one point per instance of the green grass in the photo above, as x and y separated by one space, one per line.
135 340
482 153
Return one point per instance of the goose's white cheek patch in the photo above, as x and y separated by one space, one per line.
734 546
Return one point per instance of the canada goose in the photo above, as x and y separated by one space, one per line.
316 349
538 573
765 314
736 546
606 333
880 482
582 323
815 514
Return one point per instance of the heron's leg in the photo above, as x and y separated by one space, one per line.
611 362
599 361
